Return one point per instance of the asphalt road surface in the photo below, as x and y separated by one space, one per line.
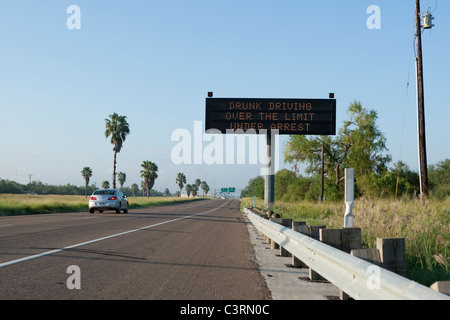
192 251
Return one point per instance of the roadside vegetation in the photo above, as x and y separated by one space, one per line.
24 204
425 225
387 197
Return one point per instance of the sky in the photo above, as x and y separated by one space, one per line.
155 61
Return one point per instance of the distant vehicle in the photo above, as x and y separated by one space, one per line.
108 199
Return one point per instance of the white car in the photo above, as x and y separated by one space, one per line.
108 199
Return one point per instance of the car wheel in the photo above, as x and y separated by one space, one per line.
118 209
101 211
126 209
91 210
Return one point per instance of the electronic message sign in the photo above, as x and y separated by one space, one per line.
289 116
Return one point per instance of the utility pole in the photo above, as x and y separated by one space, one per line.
421 108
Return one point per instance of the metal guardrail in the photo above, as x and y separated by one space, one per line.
350 274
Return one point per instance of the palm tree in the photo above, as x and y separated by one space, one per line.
194 189
143 187
149 174
181 180
86 173
121 177
105 184
117 127
188 189
198 182
205 188
134 189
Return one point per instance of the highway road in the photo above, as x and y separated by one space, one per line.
193 251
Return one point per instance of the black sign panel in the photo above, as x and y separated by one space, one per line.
289 116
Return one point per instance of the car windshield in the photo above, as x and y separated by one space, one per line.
106 192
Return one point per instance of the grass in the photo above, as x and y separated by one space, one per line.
22 204
424 225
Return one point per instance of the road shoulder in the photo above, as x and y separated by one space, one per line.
284 281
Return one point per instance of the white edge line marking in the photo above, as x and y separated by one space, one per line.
101 239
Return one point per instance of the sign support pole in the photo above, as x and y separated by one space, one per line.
269 185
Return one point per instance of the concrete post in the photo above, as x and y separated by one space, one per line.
349 196
269 183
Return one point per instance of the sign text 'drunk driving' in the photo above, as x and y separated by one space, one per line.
289 116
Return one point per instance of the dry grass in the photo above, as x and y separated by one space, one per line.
21 204
424 225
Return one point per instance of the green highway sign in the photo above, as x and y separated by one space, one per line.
231 189
224 190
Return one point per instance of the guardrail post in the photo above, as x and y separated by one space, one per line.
283 251
314 232
273 244
351 239
301 227
267 239
442 287
343 239
345 271
370 255
332 237
392 253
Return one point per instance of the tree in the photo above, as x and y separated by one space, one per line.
166 192
256 187
194 190
283 179
134 189
149 174
198 182
408 180
181 180
121 177
299 149
86 173
205 188
105 184
118 128
143 187
188 189
366 143
359 144
440 173
439 179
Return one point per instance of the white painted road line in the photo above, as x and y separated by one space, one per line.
101 239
